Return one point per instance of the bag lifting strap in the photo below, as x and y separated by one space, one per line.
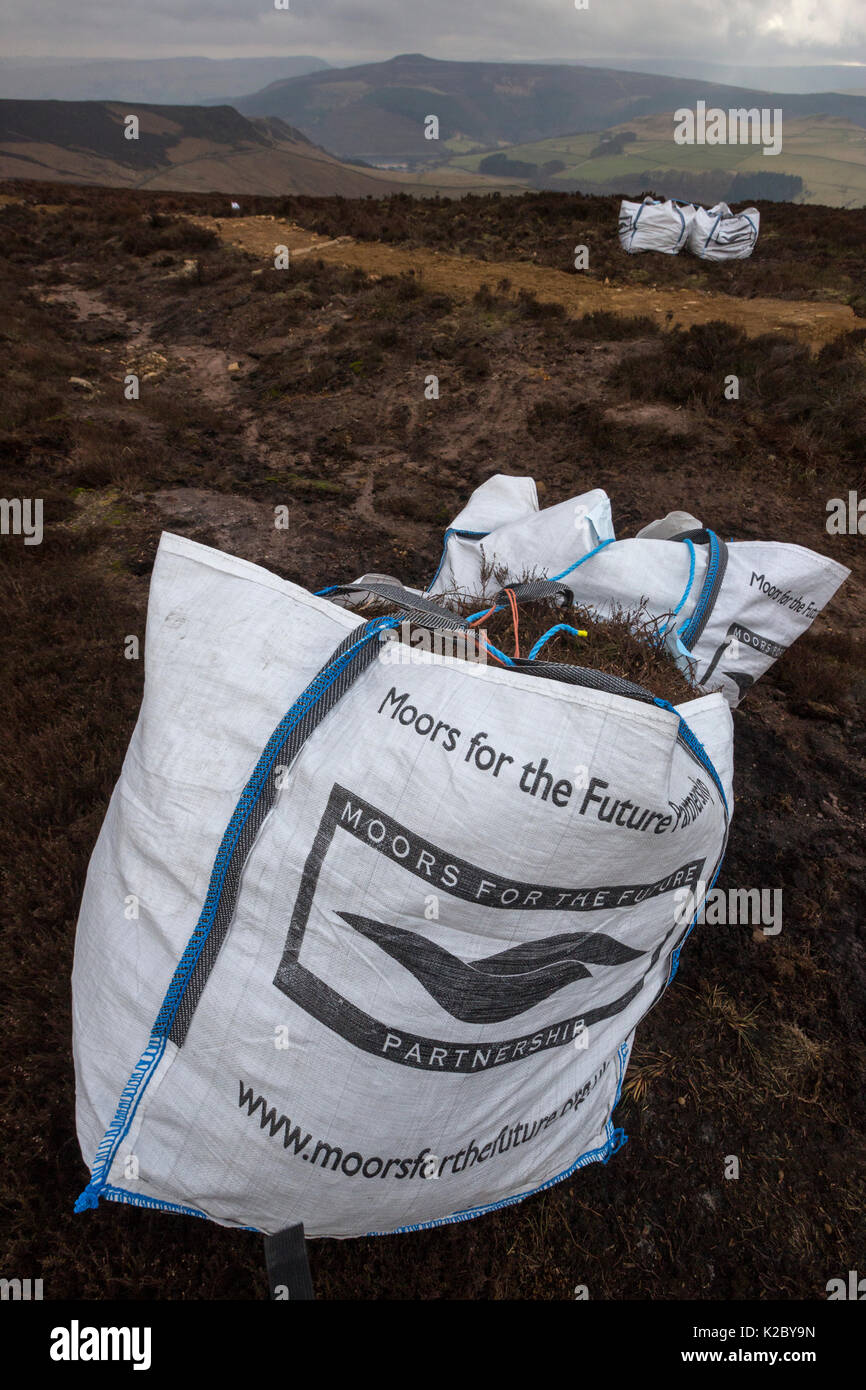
288 1269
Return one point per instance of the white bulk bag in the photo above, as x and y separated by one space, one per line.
654 226
769 595
736 608
731 609
367 948
720 235
524 534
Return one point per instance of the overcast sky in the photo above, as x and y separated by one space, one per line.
737 31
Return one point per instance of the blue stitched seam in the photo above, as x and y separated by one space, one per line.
452 531
138 1199
697 748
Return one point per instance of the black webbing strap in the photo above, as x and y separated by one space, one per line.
699 535
582 675
425 612
532 589
717 563
288 1269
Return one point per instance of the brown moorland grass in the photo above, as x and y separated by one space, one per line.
626 644
805 252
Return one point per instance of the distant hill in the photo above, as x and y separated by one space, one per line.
195 149
823 77
164 81
823 160
376 111
188 148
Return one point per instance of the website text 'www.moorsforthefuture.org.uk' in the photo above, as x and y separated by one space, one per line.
426 1164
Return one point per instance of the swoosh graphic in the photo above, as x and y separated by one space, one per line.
498 986
741 680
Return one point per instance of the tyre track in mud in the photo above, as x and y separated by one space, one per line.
813 322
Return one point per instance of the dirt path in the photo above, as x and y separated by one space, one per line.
203 370
815 323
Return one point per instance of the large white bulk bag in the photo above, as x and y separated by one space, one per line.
364 944
730 609
720 235
654 225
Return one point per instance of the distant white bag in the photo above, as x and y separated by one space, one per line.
364 944
720 235
654 226
732 609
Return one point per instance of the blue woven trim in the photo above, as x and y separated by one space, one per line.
147 1064
703 756
123 1117
137 1199
713 560
615 1139
712 229
623 1052
250 795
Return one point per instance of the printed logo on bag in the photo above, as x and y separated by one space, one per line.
739 636
456 987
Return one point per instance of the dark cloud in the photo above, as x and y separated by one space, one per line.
752 31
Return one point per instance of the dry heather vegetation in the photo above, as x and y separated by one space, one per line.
305 389
805 252
627 644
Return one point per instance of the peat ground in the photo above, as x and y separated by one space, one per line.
263 389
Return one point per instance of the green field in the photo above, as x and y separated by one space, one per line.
828 153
